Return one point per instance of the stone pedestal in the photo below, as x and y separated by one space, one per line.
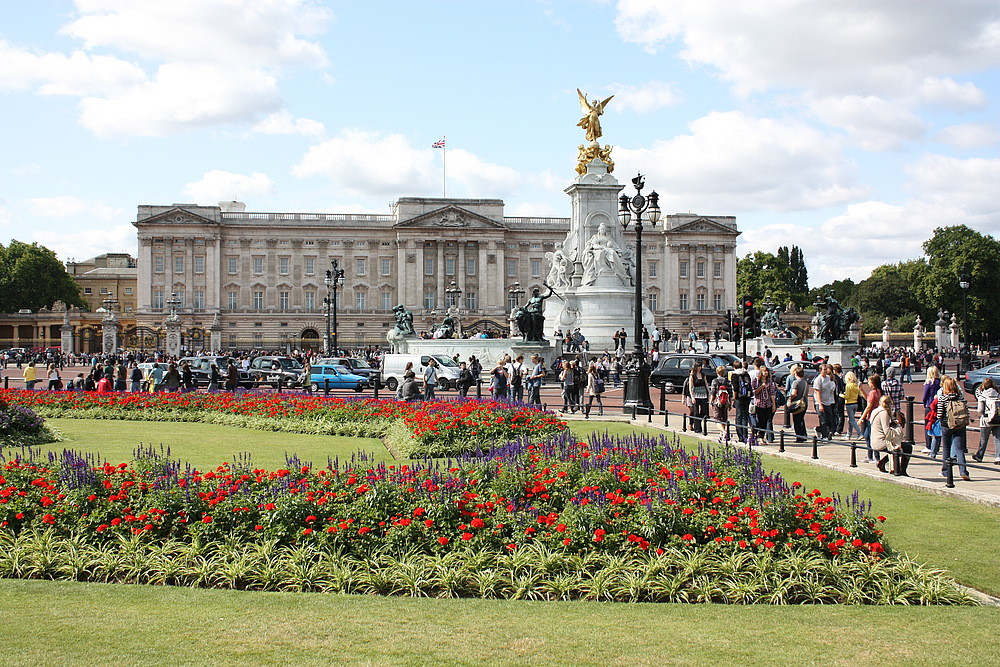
840 352
886 330
918 335
593 272
66 338
487 350
941 332
953 328
173 345
109 334
215 335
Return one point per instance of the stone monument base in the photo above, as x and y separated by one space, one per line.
487 350
840 352
598 312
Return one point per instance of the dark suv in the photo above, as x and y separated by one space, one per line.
277 371
673 369
201 370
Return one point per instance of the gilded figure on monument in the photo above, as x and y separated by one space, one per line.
592 111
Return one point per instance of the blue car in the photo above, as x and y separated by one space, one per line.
326 378
975 378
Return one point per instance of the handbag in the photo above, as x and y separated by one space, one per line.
753 408
795 407
779 398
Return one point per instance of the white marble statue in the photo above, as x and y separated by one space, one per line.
603 257
560 268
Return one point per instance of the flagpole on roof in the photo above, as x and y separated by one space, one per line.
443 145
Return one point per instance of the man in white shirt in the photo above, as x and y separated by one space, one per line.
430 379
825 399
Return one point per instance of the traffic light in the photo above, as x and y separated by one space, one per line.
749 316
737 329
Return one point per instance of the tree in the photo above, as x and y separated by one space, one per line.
781 276
31 276
843 291
948 251
890 291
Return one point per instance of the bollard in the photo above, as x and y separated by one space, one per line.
895 463
908 438
666 418
649 417
278 385
781 441
545 407
815 454
684 422
6 379
663 397
728 435
950 474
479 387
374 377
635 407
788 417
854 454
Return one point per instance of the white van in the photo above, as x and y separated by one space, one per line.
394 365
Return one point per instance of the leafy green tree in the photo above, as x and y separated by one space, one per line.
948 251
843 291
890 291
31 276
763 274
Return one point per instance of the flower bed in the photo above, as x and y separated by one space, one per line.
22 427
634 509
412 430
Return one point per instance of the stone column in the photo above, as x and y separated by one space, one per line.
109 332
215 334
173 346
66 336
918 335
886 330
954 331
941 331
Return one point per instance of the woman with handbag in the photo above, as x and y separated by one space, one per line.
798 401
887 432
762 405
852 401
696 398
595 387
872 400
931 386
953 413
721 397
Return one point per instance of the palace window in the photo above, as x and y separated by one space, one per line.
258 340
199 300
283 300
700 270
430 298
683 268
232 264
511 268
258 265
428 266
536 268
283 265
652 301
88 290
471 301
310 266
684 302
128 291
258 300
449 266
717 269
653 266
386 266
199 264
158 264
361 300
470 266
360 266
179 264
717 301
386 300
310 300
701 301
158 299
233 300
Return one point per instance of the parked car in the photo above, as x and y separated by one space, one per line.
673 369
327 377
355 365
994 351
393 366
276 371
201 370
974 378
780 372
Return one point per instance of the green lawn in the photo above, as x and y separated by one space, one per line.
69 623
74 623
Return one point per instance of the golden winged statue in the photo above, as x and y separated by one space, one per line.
591 116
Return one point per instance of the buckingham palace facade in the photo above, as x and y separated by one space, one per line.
260 276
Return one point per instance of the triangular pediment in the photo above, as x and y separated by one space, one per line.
450 217
179 216
703 226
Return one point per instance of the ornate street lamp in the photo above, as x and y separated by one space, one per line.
334 279
963 283
637 371
453 294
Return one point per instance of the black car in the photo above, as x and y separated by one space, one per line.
780 372
673 369
201 370
277 371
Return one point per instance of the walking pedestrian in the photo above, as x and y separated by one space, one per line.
695 391
953 412
595 387
987 403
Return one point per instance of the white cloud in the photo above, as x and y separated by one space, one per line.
243 33
58 74
182 96
872 47
6 214
946 92
217 185
875 123
88 243
26 170
282 122
645 97
67 206
966 184
734 162
480 178
970 135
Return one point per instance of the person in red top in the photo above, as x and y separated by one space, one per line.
872 399
104 385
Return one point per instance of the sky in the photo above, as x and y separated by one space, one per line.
851 129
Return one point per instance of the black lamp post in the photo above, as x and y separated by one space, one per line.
453 293
637 371
963 283
334 279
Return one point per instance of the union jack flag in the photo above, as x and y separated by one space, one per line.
438 144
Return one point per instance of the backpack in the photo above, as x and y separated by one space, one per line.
957 413
992 414
598 385
516 375
741 382
722 395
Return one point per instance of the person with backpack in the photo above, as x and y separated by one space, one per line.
595 387
953 413
988 405
720 397
764 394
516 371
430 379
465 380
739 381
798 401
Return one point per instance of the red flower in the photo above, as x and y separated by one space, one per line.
443 541
206 519
466 537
